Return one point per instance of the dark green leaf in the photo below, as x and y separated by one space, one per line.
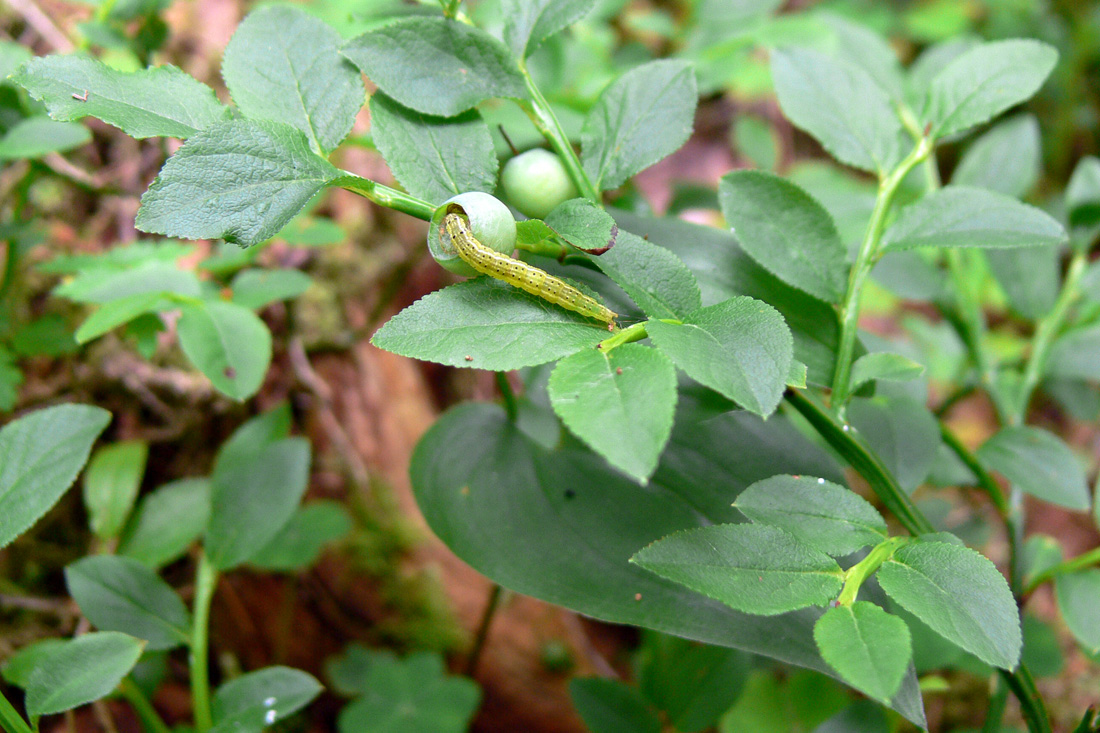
656 279
49 335
156 102
643 116
960 594
167 521
959 216
435 65
584 224
862 716
740 348
10 379
499 327
527 23
252 438
1042 648
111 485
985 81
1083 193
620 403
119 593
841 105
611 706
902 432
257 288
1007 159
284 65
253 702
433 157
1076 355
867 646
301 540
229 344
40 456
241 181
752 568
80 671
784 229
823 515
1079 601
1039 463
37 136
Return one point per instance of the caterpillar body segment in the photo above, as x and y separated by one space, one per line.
456 232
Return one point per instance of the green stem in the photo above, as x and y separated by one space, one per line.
152 721
996 709
1084 560
206 580
865 260
542 115
483 629
1032 707
11 720
855 575
510 405
382 195
985 480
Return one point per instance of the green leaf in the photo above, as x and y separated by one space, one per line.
1083 193
1075 355
229 344
643 116
1029 276
752 568
40 456
619 403
434 157
106 284
49 335
958 216
157 102
254 701
583 224
985 81
867 49
862 716
821 514
252 500
253 437
436 65
740 348
301 540
111 485
784 229
241 180
347 672
527 23
499 327
611 706
960 594
412 694
841 105
560 524
115 259
284 65
10 379
19 667
1007 159
1042 647
1039 463
80 671
115 313
884 365
257 288
117 593
1079 601
902 432
867 646
37 136
654 278
753 138
167 521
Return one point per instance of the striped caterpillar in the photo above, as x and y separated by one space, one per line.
455 230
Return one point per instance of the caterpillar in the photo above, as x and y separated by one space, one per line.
455 230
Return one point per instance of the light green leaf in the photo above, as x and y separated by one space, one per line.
985 81
1076 355
435 65
884 365
1079 601
612 706
1039 463
867 49
784 229
959 216
157 102
527 23
229 344
841 105
111 485
434 157
1007 159
582 223
643 116
249 440
1030 277
827 517
867 646
654 278
117 593
258 288
301 540
19 667
33 137
284 65
80 671
960 594
241 181
497 326
40 456
752 568
620 403
740 348
254 701
115 313
106 284
167 521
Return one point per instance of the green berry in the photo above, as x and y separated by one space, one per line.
535 182
490 220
